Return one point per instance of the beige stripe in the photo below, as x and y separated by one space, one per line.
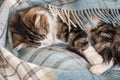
31 74
3 66
3 63
49 76
9 57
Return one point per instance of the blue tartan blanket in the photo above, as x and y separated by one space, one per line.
52 63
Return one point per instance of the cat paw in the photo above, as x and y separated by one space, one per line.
98 69
92 56
95 59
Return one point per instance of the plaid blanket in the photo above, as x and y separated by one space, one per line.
52 63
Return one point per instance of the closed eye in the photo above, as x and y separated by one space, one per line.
84 43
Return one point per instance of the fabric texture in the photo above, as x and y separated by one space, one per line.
52 63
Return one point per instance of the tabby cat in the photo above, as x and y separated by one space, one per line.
106 41
36 27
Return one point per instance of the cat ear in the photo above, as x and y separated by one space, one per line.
42 18
29 18
42 22
37 20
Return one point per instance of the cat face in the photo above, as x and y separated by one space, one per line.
30 26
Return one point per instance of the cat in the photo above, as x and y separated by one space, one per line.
36 27
106 41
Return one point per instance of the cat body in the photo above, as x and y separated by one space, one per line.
36 27
106 41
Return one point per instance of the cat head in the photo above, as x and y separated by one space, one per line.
30 26
37 20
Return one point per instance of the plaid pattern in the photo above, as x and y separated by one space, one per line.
55 57
13 68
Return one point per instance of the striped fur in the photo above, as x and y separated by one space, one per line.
36 27
106 41
33 30
22 26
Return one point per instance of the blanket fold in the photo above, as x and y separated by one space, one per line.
75 12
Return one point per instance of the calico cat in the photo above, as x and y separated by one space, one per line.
36 27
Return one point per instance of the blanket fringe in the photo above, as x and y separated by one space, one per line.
83 16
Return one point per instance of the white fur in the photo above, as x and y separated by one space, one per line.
100 68
92 56
22 45
51 37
